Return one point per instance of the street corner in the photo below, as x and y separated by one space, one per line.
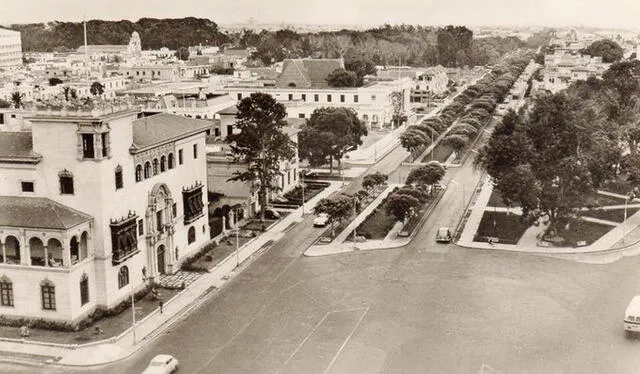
327 250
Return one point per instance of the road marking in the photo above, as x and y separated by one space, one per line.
347 339
306 338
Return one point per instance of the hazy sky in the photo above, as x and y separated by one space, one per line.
605 13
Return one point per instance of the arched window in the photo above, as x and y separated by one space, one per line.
155 166
147 170
118 177
138 173
170 161
123 277
6 291
191 235
163 163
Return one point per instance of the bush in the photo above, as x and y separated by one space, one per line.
188 263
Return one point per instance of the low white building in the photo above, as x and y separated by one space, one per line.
95 203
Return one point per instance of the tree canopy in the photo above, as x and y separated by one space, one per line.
261 143
609 50
342 78
328 134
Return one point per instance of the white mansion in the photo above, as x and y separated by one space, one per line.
95 203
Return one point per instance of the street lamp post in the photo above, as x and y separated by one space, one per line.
355 201
303 201
133 314
237 249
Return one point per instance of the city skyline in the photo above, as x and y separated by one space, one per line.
613 14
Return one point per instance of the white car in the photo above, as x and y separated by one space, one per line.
321 220
162 364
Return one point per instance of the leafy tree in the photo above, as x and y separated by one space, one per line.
342 78
54 81
182 53
360 66
329 134
426 175
401 206
456 141
96 88
372 181
412 191
16 99
336 208
414 139
261 143
609 50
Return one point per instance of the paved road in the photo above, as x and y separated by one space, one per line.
424 308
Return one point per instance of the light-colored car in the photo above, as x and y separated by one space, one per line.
321 220
632 317
162 364
443 235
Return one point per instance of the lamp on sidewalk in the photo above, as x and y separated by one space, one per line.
355 202
630 197
133 314
237 248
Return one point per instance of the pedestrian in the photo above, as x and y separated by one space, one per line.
161 303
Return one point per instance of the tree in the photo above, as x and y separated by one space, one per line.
412 191
96 88
16 99
609 50
182 54
372 181
413 139
401 206
261 143
66 91
336 208
456 141
54 81
329 134
426 175
360 66
342 78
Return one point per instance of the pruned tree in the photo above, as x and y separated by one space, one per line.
426 175
401 206
342 78
337 208
372 181
414 139
261 143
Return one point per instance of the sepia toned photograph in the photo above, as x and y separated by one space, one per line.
330 187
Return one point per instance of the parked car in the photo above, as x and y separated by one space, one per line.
632 317
443 235
162 364
321 220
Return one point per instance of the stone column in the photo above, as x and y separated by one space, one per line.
46 256
25 250
66 255
4 252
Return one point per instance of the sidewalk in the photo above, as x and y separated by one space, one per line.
123 346
614 240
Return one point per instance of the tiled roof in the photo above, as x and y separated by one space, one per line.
264 73
308 72
164 127
15 146
38 212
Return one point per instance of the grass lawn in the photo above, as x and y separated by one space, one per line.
441 153
615 215
377 225
496 200
295 195
256 225
111 326
580 230
507 228
226 247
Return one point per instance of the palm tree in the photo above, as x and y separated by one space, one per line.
96 88
16 99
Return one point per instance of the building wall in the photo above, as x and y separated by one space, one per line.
10 48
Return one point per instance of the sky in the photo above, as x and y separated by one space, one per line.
598 13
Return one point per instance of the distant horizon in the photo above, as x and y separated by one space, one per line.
298 23
614 14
